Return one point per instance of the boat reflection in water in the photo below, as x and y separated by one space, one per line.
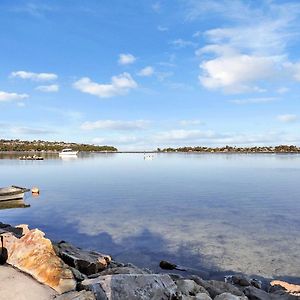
19 203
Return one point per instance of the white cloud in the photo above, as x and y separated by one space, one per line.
180 43
156 7
5 97
146 72
236 73
287 118
253 50
34 76
254 100
115 125
119 85
126 59
48 88
190 122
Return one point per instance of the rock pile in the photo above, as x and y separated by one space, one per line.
77 274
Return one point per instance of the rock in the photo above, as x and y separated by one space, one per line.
87 262
131 287
202 296
123 270
189 287
215 287
82 295
241 280
256 294
4 228
78 275
256 283
292 289
34 254
228 296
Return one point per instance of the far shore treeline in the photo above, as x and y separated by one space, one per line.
233 149
38 145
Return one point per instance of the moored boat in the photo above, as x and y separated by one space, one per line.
12 193
67 151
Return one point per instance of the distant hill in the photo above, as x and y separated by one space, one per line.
38 145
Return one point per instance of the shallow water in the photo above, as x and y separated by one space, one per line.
220 212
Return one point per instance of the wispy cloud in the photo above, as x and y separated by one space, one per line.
34 76
146 72
5 96
287 118
48 88
260 100
30 131
119 85
162 28
115 125
191 122
126 59
180 43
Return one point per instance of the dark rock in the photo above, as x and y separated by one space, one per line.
78 275
7 228
215 287
256 294
131 287
87 262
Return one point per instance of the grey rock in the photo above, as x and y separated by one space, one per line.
87 262
189 287
82 295
123 270
228 296
78 275
131 287
216 288
202 296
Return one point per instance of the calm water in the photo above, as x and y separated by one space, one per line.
212 211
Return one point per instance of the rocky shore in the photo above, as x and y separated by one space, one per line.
70 273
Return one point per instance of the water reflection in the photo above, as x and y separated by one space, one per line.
214 211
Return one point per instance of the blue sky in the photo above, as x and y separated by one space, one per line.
146 74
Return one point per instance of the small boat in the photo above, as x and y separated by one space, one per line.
34 157
12 193
67 151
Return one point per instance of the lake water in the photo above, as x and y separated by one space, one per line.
219 212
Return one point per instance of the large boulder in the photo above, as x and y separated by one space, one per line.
87 262
34 254
131 287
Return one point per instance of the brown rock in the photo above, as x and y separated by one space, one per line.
292 289
34 254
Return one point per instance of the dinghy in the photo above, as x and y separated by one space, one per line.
12 193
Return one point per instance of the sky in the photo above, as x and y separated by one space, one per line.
151 73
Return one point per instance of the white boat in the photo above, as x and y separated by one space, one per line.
67 151
12 193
